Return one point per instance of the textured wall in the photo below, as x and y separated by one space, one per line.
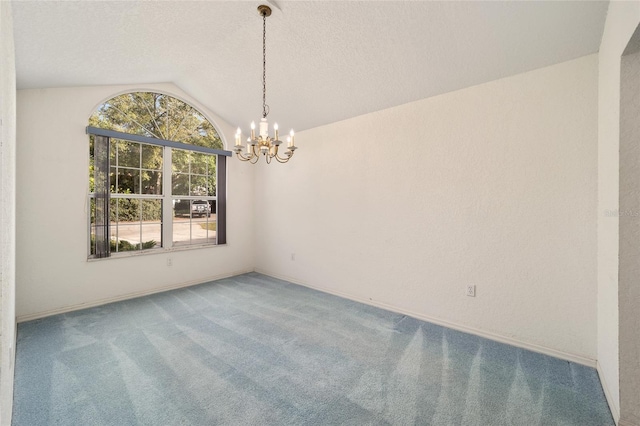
493 185
7 210
52 269
622 20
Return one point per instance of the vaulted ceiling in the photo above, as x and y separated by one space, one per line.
326 60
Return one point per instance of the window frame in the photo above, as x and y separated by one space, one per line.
167 196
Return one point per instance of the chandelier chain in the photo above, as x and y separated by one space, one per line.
264 65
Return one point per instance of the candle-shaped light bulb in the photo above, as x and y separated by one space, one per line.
288 141
275 129
253 130
238 137
291 134
248 148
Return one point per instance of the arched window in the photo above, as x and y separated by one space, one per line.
157 176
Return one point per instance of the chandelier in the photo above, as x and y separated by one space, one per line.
263 144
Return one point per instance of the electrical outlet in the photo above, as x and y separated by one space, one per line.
471 290
169 261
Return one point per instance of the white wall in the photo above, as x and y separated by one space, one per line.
622 20
52 161
7 210
493 185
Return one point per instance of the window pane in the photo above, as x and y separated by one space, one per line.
152 210
151 157
180 184
91 165
128 210
128 154
125 237
193 222
199 163
211 174
211 165
92 240
128 232
128 181
92 211
200 208
151 182
181 232
199 185
180 160
92 227
113 210
151 236
113 172
181 208
211 185
204 230
186 232
113 149
199 239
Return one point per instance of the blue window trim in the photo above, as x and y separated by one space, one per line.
153 141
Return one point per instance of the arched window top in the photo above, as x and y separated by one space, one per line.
156 115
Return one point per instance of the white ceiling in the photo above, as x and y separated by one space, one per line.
326 60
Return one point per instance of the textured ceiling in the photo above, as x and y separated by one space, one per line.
326 60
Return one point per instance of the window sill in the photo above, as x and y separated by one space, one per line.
128 254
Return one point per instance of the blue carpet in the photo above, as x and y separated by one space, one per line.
253 350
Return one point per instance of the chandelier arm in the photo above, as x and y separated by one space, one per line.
250 155
244 157
284 159
254 154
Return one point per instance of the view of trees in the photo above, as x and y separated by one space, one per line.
157 116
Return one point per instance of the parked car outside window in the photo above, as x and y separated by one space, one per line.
193 207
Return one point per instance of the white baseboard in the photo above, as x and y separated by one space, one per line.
99 302
613 404
482 333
